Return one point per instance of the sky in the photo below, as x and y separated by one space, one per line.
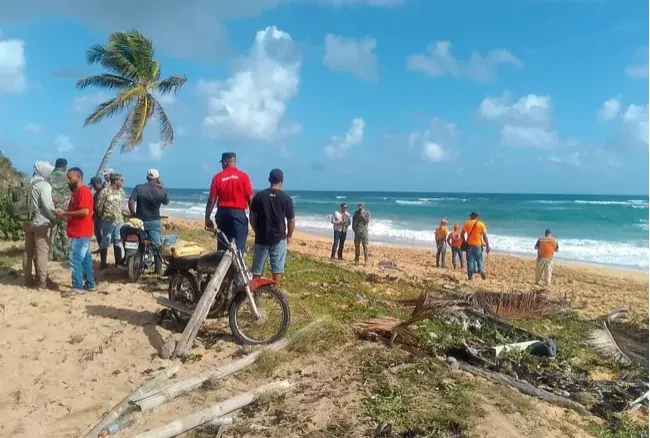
525 96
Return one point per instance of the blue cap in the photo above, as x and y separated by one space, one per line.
227 156
276 176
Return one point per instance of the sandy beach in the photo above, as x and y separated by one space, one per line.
63 362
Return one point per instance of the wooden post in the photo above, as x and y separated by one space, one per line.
192 421
203 307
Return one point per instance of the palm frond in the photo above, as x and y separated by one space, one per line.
171 84
512 306
105 80
142 112
166 129
137 49
624 341
113 106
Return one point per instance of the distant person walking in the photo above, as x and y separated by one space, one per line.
97 184
80 229
59 244
546 248
144 204
441 243
341 221
110 207
231 191
273 221
360 221
455 241
474 238
42 215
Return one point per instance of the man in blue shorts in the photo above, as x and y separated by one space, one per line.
273 221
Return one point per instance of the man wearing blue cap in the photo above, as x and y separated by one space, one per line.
232 193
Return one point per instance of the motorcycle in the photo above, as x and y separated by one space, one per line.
258 313
139 253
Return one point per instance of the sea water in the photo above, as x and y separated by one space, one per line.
604 230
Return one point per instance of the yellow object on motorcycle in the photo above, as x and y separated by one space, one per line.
183 249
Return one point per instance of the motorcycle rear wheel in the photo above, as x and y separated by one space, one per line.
177 292
246 329
134 267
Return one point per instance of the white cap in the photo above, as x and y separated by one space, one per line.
108 171
153 173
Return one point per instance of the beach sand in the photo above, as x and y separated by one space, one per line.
64 362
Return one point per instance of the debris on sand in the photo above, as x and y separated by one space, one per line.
623 339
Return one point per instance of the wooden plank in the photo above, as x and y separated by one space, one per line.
203 307
166 302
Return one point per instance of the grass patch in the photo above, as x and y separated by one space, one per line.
320 337
618 426
11 257
267 362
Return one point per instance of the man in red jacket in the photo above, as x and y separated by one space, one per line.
232 192
80 229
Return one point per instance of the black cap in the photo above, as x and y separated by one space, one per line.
60 162
96 180
473 214
227 156
276 176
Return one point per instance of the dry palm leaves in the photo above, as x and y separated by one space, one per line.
622 339
512 306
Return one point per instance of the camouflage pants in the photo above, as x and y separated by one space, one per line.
59 242
360 240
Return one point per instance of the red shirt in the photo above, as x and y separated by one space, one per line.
232 189
81 227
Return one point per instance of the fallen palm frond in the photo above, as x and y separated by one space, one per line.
512 306
624 341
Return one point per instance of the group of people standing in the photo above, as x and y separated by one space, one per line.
471 240
341 221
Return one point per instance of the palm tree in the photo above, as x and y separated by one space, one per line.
135 76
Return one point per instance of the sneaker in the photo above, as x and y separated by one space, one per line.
88 288
79 291
483 276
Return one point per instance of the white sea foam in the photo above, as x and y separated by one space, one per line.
409 202
634 203
341 197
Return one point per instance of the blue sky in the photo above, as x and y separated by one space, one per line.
543 96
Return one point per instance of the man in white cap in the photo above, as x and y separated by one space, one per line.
107 176
144 204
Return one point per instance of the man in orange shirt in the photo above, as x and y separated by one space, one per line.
441 242
455 241
546 248
475 237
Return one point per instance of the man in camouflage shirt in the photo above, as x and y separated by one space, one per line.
110 205
61 195
360 222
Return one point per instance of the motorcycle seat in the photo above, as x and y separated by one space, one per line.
192 261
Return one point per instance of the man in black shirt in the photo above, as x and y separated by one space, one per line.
144 204
273 221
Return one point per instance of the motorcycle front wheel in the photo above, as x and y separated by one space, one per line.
272 324
134 267
183 289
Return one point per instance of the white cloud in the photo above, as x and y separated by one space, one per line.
634 125
88 102
639 70
33 128
202 24
337 147
587 159
352 56
168 99
251 104
155 151
63 143
524 123
609 110
12 66
440 61
433 143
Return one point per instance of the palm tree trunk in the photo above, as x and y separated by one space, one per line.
107 156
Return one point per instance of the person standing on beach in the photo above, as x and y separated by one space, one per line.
441 242
61 195
341 221
455 241
360 221
79 217
273 221
107 177
231 191
474 238
546 248
42 215
109 208
97 184
144 204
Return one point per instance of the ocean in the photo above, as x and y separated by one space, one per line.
602 230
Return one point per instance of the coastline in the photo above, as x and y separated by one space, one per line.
593 290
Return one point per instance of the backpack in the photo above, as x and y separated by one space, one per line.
21 195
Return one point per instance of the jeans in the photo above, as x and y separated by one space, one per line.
441 252
474 260
110 233
278 254
97 223
339 243
457 253
81 264
153 231
234 224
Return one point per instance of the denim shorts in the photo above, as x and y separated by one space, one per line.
278 254
110 233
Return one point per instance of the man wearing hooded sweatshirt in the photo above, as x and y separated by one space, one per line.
42 216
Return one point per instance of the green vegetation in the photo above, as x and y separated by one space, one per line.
10 228
618 426
135 75
10 257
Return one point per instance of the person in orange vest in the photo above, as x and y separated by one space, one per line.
441 242
475 237
455 241
546 248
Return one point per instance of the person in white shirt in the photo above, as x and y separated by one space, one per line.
341 220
